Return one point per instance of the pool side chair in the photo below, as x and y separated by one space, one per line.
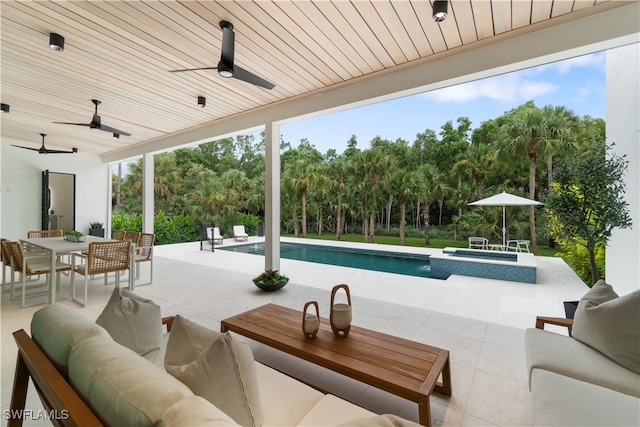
144 253
213 235
239 233
101 258
32 265
478 243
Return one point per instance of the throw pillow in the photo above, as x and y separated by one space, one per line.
216 367
133 322
610 324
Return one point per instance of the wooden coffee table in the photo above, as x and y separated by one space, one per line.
404 368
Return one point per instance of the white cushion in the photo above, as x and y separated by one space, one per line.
123 388
218 368
57 328
567 356
133 322
610 324
333 411
285 400
194 411
562 401
384 420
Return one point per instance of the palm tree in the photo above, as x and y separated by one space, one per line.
407 185
374 167
476 161
536 132
427 173
299 175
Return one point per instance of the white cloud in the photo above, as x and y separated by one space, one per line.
508 87
596 60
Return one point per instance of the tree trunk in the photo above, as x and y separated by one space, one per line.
372 228
532 195
591 248
389 203
403 208
365 229
440 205
296 225
339 217
319 221
304 215
427 226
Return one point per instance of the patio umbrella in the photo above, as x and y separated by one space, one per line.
504 199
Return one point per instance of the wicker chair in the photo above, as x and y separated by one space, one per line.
101 258
134 236
31 265
118 235
34 234
144 253
6 262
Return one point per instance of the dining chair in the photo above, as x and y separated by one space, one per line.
31 265
118 235
34 234
134 236
101 258
144 253
5 259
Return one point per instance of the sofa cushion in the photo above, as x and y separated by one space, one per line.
133 322
287 399
57 328
194 411
218 368
121 387
559 400
610 324
333 411
567 356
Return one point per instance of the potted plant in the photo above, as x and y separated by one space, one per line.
74 236
270 280
96 229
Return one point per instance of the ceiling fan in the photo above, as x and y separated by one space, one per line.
226 67
97 125
43 150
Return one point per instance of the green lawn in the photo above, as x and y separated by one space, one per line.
414 241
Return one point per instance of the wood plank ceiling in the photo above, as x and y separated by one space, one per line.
120 53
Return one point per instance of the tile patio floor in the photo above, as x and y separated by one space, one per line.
480 321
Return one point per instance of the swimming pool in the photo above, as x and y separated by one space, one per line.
388 262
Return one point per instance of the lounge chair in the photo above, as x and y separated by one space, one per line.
213 235
478 243
239 233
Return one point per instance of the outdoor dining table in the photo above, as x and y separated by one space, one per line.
57 246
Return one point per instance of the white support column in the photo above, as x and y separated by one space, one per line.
272 197
147 193
623 129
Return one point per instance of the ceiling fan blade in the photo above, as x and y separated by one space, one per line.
26 148
73 150
114 130
247 76
75 124
193 69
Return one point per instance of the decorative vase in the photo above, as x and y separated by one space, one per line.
340 316
310 322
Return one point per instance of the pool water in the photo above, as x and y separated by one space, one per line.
388 262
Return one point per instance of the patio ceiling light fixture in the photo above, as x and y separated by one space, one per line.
202 101
440 10
56 42
5 108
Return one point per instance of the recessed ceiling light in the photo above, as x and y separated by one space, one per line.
56 42
440 10
5 108
202 101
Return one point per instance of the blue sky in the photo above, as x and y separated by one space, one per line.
578 84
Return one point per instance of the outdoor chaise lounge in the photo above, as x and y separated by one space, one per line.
213 235
239 233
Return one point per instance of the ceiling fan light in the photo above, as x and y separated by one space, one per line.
202 101
56 42
225 70
440 8
5 108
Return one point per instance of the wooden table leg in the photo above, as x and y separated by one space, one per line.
445 386
424 411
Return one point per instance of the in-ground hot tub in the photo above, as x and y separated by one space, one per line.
512 266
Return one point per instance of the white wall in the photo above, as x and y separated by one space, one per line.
20 182
623 129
